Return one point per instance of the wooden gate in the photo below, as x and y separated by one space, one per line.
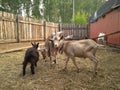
77 30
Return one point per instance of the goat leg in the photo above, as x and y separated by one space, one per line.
24 68
95 60
36 64
32 68
65 68
74 62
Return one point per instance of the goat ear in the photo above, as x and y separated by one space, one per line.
32 43
68 37
37 43
50 39
61 38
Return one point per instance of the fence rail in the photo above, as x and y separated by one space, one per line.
107 36
17 29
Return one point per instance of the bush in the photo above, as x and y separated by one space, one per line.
80 18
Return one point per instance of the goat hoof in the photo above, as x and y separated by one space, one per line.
64 69
23 74
54 61
96 73
78 71
33 73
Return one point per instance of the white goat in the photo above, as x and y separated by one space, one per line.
101 38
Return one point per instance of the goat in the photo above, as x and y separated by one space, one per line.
31 56
43 53
102 38
49 46
83 49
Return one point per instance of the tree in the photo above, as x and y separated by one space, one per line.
55 10
35 9
12 6
66 10
84 9
80 18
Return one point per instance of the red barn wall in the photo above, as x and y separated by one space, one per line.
108 24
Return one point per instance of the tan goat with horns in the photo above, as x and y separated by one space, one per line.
81 48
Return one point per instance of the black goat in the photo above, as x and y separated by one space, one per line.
31 56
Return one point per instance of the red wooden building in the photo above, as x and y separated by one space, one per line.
107 20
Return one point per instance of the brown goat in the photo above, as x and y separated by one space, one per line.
82 49
43 53
49 49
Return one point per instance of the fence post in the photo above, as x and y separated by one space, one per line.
88 30
44 28
17 29
59 27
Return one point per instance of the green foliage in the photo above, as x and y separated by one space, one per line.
89 6
35 9
80 18
54 9
51 10
11 5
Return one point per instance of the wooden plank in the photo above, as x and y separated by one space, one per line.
0 30
7 40
26 22
6 19
14 50
20 49
109 34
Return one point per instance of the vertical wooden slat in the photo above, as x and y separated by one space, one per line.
23 29
44 28
77 30
17 29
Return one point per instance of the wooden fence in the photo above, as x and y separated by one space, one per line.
77 30
17 28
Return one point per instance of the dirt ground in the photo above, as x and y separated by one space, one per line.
53 78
